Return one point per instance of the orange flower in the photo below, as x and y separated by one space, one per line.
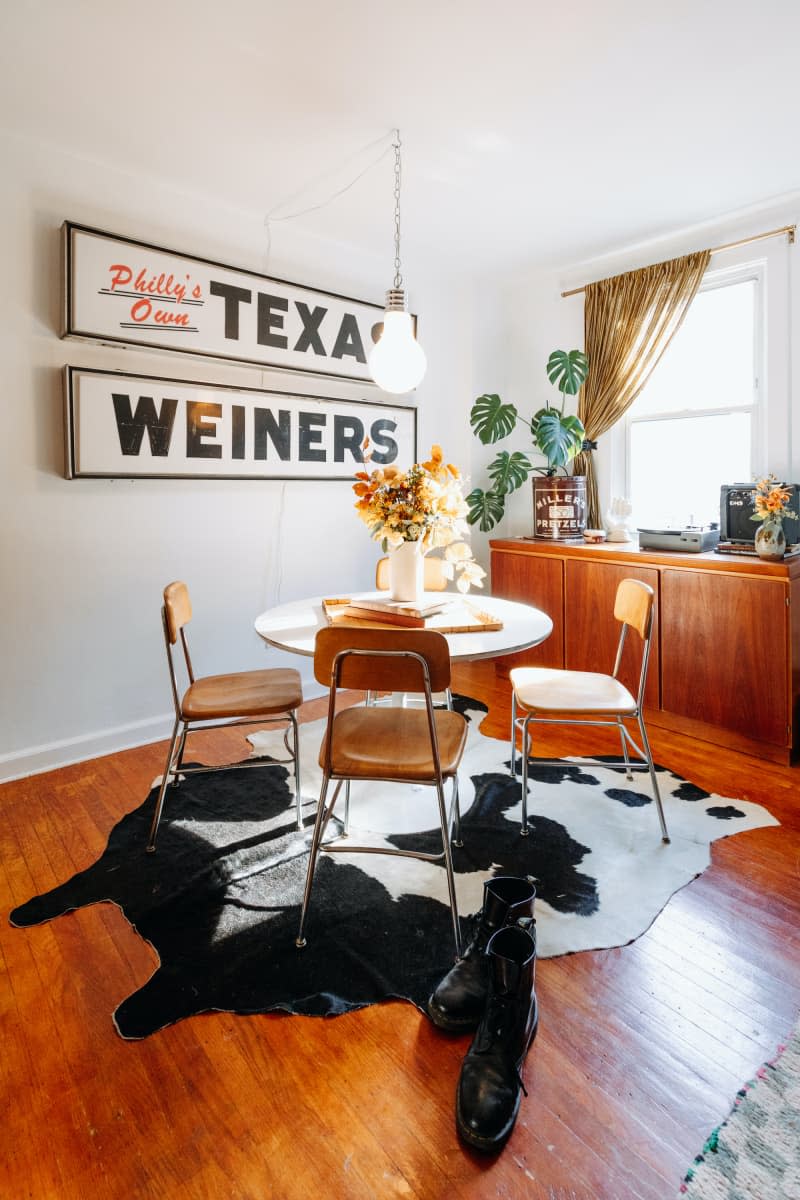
424 504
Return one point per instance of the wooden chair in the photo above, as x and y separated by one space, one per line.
434 576
244 698
554 697
399 745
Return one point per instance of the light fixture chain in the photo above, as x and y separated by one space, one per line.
398 277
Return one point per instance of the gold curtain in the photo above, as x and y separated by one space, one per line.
629 321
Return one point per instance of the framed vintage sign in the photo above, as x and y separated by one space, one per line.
126 426
119 290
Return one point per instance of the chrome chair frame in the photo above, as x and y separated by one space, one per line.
182 727
643 752
449 820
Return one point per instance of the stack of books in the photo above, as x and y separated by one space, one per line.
447 614
394 612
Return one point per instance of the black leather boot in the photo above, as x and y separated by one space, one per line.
458 1002
488 1095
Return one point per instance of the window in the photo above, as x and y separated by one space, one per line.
695 425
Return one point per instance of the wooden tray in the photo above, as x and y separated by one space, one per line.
463 617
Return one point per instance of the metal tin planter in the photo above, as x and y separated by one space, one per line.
559 507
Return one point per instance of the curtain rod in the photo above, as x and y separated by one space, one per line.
789 230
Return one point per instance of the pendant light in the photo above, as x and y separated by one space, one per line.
397 361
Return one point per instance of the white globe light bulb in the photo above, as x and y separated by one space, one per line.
397 362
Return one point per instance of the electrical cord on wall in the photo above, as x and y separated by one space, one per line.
278 547
385 140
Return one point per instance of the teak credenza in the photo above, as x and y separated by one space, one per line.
725 658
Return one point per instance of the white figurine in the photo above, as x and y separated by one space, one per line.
618 520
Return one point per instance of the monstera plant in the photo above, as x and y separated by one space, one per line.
556 436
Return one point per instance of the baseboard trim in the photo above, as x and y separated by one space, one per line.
34 760
49 756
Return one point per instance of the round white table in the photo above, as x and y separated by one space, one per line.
294 626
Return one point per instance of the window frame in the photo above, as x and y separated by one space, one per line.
755 271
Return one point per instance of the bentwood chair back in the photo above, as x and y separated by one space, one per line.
244 698
407 746
540 695
434 577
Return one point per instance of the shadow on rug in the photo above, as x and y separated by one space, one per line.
755 1153
220 898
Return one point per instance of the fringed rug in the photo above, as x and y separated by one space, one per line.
755 1153
219 900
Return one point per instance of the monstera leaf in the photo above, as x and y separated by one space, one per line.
509 471
485 509
567 370
559 438
491 419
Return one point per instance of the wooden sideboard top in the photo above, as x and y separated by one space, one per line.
629 552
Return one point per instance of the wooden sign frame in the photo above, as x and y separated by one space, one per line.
117 290
123 426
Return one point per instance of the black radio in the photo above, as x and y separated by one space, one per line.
736 508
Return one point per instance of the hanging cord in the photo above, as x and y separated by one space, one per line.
381 141
398 277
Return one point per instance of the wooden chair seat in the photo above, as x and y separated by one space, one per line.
542 690
243 694
394 743
552 697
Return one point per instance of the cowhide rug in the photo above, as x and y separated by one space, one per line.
219 900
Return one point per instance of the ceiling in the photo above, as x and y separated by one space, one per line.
533 133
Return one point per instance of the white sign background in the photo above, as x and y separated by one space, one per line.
120 290
178 429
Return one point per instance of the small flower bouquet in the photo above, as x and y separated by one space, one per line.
424 504
770 499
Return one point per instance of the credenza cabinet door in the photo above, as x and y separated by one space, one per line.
591 632
724 652
537 581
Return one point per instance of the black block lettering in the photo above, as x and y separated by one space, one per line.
233 297
279 433
310 427
200 424
269 320
348 340
348 434
309 339
378 435
131 425
237 431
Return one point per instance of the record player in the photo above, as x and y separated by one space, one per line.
694 539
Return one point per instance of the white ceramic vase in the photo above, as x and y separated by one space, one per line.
407 573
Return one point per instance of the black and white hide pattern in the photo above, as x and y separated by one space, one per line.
220 898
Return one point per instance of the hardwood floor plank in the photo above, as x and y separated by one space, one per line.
641 1049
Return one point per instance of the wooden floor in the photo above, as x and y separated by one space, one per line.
640 1053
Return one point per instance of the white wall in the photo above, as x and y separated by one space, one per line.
84 561
532 319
